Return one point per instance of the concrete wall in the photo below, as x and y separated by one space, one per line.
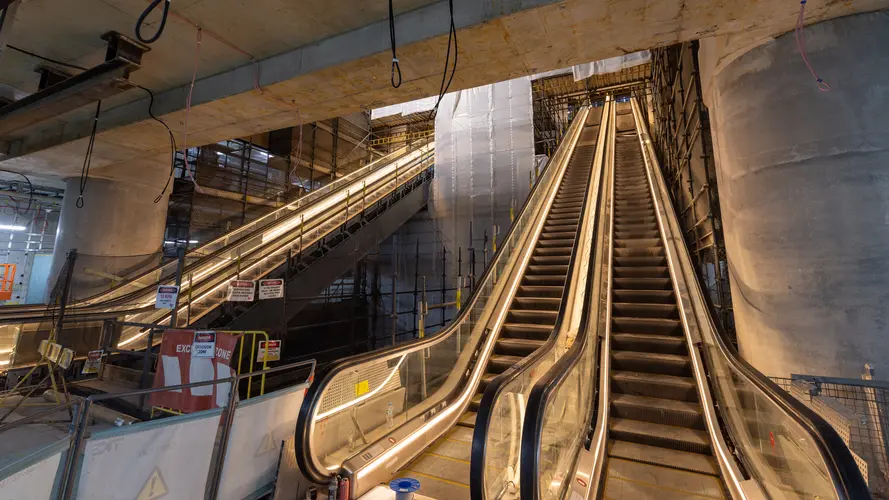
804 196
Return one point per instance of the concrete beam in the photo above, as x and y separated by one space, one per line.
349 72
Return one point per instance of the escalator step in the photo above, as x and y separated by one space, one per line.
501 362
555 243
538 302
666 436
648 233
651 362
528 330
643 284
553 250
641 272
643 310
532 318
548 269
517 347
645 296
663 326
467 420
475 402
550 259
640 261
675 459
541 291
487 378
560 228
658 410
648 342
655 385
637 243
543 280
563 235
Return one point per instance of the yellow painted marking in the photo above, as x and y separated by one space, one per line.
447 457
362 388
455 483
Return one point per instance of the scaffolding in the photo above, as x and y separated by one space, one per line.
682 140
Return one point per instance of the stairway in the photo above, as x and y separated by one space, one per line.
443 469
658 444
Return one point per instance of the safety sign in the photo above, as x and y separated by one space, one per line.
154 488
271 289
166 297
270 350
241 291
204 345
93 362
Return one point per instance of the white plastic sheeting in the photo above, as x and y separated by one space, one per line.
484 157
611 65
35 476
260 426
168 457
405 108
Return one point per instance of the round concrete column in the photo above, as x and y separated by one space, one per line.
804 190
118 231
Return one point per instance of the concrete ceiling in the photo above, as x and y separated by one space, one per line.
331 57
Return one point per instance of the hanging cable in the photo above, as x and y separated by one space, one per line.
445 79
396 68
30 188
87 159
47 59
194 76
801 45
160 28
172 141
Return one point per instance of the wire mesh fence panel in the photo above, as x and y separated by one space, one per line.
859 411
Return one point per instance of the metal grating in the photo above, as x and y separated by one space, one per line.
344 387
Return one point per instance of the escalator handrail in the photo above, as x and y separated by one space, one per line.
492 393
324 376
845 474
555 377
86 311
15 309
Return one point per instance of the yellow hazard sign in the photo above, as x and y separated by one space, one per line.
154 488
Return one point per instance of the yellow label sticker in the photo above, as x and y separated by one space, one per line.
154 488
362 388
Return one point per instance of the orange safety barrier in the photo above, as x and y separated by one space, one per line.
6 281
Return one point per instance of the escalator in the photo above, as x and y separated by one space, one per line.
443 468
274 244
657 439
410 410
651 401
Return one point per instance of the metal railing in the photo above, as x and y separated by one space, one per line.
859 411
66 485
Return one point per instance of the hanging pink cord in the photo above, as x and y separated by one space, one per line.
801 44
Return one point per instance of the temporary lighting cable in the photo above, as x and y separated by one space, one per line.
172 141
160 28
88 158
396 68
801 44
445 80
194 75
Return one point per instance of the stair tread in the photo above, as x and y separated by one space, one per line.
687 382
651 356
639 427
658 403
684 460
649 337
520 342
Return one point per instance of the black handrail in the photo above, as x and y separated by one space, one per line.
495 388
316 390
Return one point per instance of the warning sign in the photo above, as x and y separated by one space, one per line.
93 362
166 297
362 388
271 289
204 345
241 291
266 445
270 350
154 488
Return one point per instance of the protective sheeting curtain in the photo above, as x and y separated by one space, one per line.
611 65
484 156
